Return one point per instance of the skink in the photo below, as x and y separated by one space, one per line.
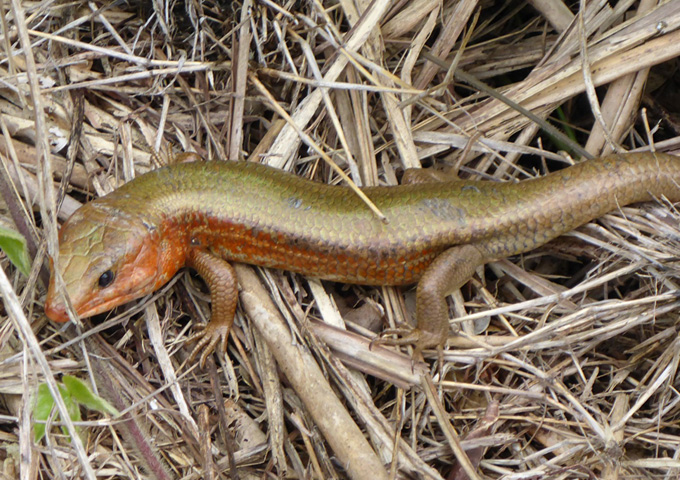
206 214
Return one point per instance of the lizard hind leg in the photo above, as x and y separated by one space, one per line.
449 271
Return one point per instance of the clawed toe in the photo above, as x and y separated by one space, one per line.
208 338
405 336
419 339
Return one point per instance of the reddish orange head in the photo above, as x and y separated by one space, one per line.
106 258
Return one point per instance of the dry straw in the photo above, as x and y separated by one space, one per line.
563 362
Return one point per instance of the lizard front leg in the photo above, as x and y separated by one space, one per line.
223 284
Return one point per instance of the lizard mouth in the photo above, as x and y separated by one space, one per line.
56 311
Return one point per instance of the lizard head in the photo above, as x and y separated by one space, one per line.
106 258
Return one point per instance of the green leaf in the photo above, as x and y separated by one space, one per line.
14 245
82 394
41 411
44 402
75 392
71 407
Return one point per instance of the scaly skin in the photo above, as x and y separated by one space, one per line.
196 213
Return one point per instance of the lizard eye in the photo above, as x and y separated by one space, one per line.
106 278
